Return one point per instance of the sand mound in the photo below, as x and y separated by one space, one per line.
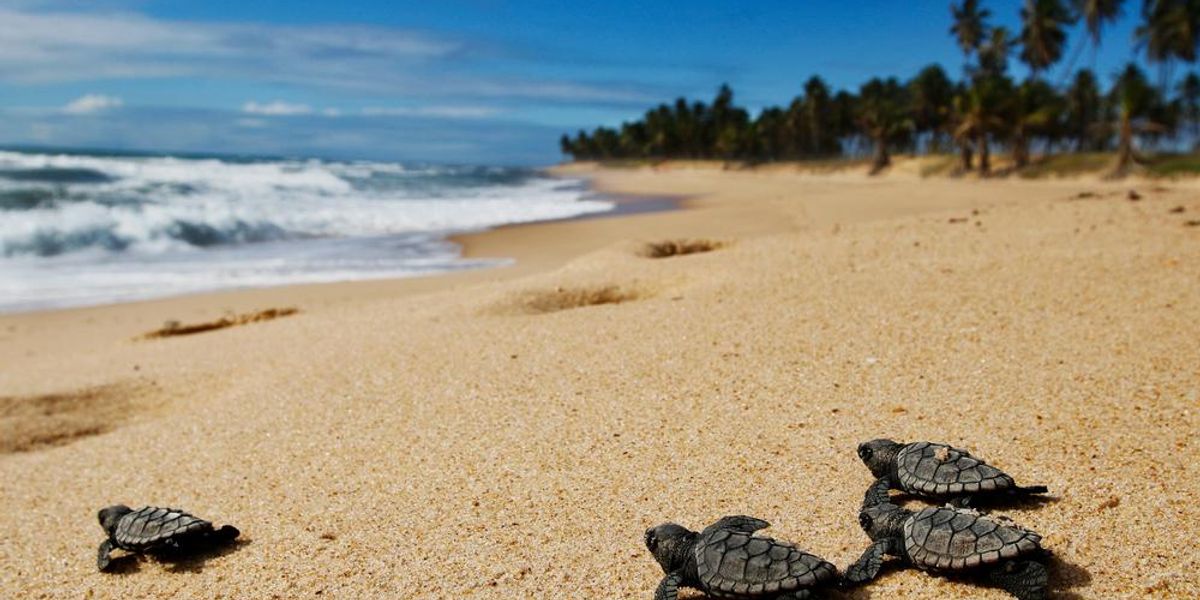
174 328
566 298
669 248
34 422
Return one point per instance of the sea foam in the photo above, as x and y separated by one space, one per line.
83 229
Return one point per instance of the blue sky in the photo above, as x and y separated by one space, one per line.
489 81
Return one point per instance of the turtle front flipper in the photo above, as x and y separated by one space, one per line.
868 565
103 558
668 588
739 523
878 493
1026 579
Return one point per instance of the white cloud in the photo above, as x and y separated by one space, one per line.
447 112
92 103
277 108
332 112
50 46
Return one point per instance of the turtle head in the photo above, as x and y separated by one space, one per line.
882 520
670 544
109 516
878 455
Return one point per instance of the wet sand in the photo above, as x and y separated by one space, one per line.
510 433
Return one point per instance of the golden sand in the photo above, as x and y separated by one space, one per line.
511 433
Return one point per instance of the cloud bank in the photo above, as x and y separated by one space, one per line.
92 103
43 48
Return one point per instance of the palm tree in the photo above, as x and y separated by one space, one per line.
767 135
1084 112
842 116
662 131
970 25
634 139
1095 14
796 128
1170 30
982 113
882 117
1043 33
1189 102
726 126
932 95
821 141
1134 100
1035 108
961 105
993 54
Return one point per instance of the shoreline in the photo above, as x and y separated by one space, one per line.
623 205
709 201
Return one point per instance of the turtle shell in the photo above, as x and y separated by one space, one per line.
941 470
738 564
152 526
950 539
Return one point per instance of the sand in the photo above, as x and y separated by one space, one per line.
511 433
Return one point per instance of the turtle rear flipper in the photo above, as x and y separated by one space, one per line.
226 533
1014 493
1031 490
1026 579
198 541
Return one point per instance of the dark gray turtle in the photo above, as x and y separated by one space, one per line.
156 530
727 561
951 541
940 471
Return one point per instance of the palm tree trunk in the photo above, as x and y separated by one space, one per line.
1020 150
965 155
882 158
985 162
1125 154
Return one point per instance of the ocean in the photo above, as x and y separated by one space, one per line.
93 228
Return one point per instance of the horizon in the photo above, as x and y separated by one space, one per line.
465 82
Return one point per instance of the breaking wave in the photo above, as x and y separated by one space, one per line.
67 218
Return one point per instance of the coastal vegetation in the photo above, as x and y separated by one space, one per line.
1133 120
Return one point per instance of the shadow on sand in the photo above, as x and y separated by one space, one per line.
983 504
177 561
1065 577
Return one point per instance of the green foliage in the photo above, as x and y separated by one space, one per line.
983 112
1085 113
993 55
1170 30
1043 32
1065 165
1172 165
1095 13
970 24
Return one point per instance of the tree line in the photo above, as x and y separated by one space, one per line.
932 112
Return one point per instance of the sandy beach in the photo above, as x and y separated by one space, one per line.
511 432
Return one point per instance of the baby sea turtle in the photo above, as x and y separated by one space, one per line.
951 541
727 561
938 470
156 530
